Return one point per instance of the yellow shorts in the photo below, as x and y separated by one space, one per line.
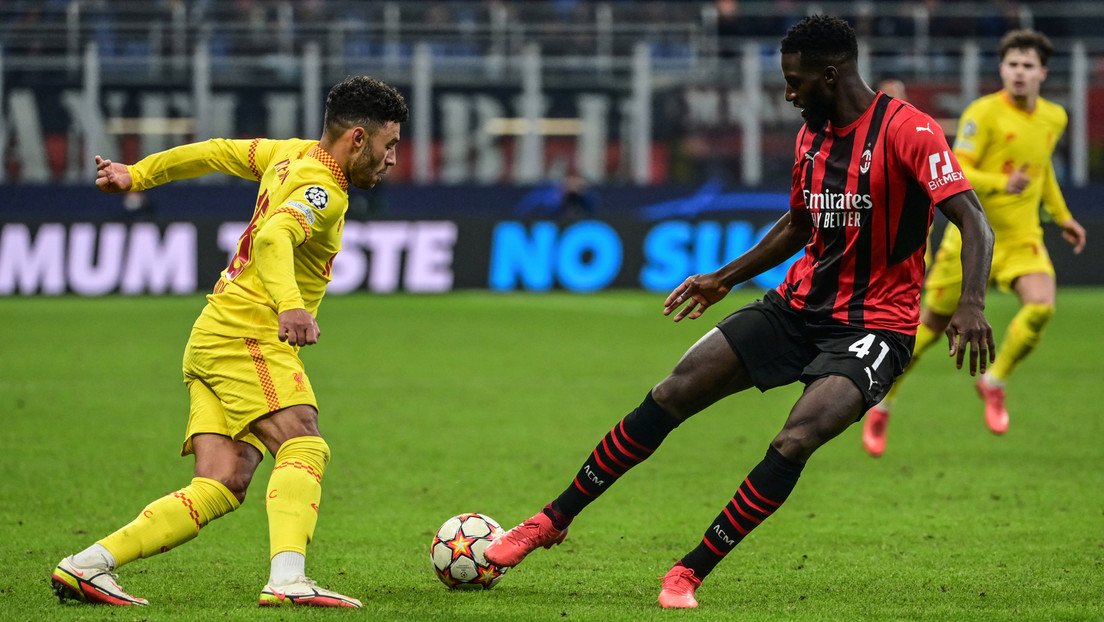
1011 260
235 381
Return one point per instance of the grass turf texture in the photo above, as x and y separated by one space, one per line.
436 405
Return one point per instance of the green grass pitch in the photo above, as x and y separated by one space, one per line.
436 405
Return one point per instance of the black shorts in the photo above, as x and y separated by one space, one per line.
778 347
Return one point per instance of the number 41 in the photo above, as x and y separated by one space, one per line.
862 347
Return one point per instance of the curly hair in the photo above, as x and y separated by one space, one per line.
822 39
1027 40
363 101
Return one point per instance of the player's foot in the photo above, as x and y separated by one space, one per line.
874 430
678 588
512 547
995 414
304 592
90 585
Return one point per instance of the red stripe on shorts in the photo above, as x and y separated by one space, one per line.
269 389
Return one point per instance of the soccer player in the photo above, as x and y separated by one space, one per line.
249 390
1004 143
867 171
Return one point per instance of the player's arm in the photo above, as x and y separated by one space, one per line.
1055 205
233 157
969 147
275 263
968 328
785 238
987 182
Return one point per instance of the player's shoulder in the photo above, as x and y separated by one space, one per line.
909 121
1052 111
985 106
294 149
310 165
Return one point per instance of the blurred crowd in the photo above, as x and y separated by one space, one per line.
31 27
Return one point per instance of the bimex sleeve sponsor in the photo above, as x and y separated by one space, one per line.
929 158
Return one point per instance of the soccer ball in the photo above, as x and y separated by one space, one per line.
457 552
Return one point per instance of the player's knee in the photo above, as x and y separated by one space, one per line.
1036 315
235 478
797 443
794 446
674 396
798 440
236 483
309 450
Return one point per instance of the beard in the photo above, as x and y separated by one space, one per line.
817 112
816 116
365 173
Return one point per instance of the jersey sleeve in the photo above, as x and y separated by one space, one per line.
926 156
275 260
242 158
974 137
1053 201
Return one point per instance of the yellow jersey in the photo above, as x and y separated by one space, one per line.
303 196
995 138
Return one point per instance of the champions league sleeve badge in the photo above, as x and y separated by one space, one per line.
317 197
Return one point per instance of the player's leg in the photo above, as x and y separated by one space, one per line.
268 402
222 474
707 372
826 408
764 332
292 503
1025 268
1037 292
851 369
876 421
942 289
162 525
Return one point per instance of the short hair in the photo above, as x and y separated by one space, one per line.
363 101
822 39
1027 40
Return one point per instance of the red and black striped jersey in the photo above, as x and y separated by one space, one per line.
870 189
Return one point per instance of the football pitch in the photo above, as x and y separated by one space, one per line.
479 402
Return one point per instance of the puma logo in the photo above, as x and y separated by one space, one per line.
926 128
871 377
810 155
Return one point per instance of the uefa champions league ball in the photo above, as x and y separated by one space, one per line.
457 552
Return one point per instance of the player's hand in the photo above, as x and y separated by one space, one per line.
968 329
112 176
298 327
1017 181
698 292
1074 234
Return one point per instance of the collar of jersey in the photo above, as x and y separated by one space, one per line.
329 162
1006 97
850 127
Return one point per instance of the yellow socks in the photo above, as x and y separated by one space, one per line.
170 521
294 491
1023 335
